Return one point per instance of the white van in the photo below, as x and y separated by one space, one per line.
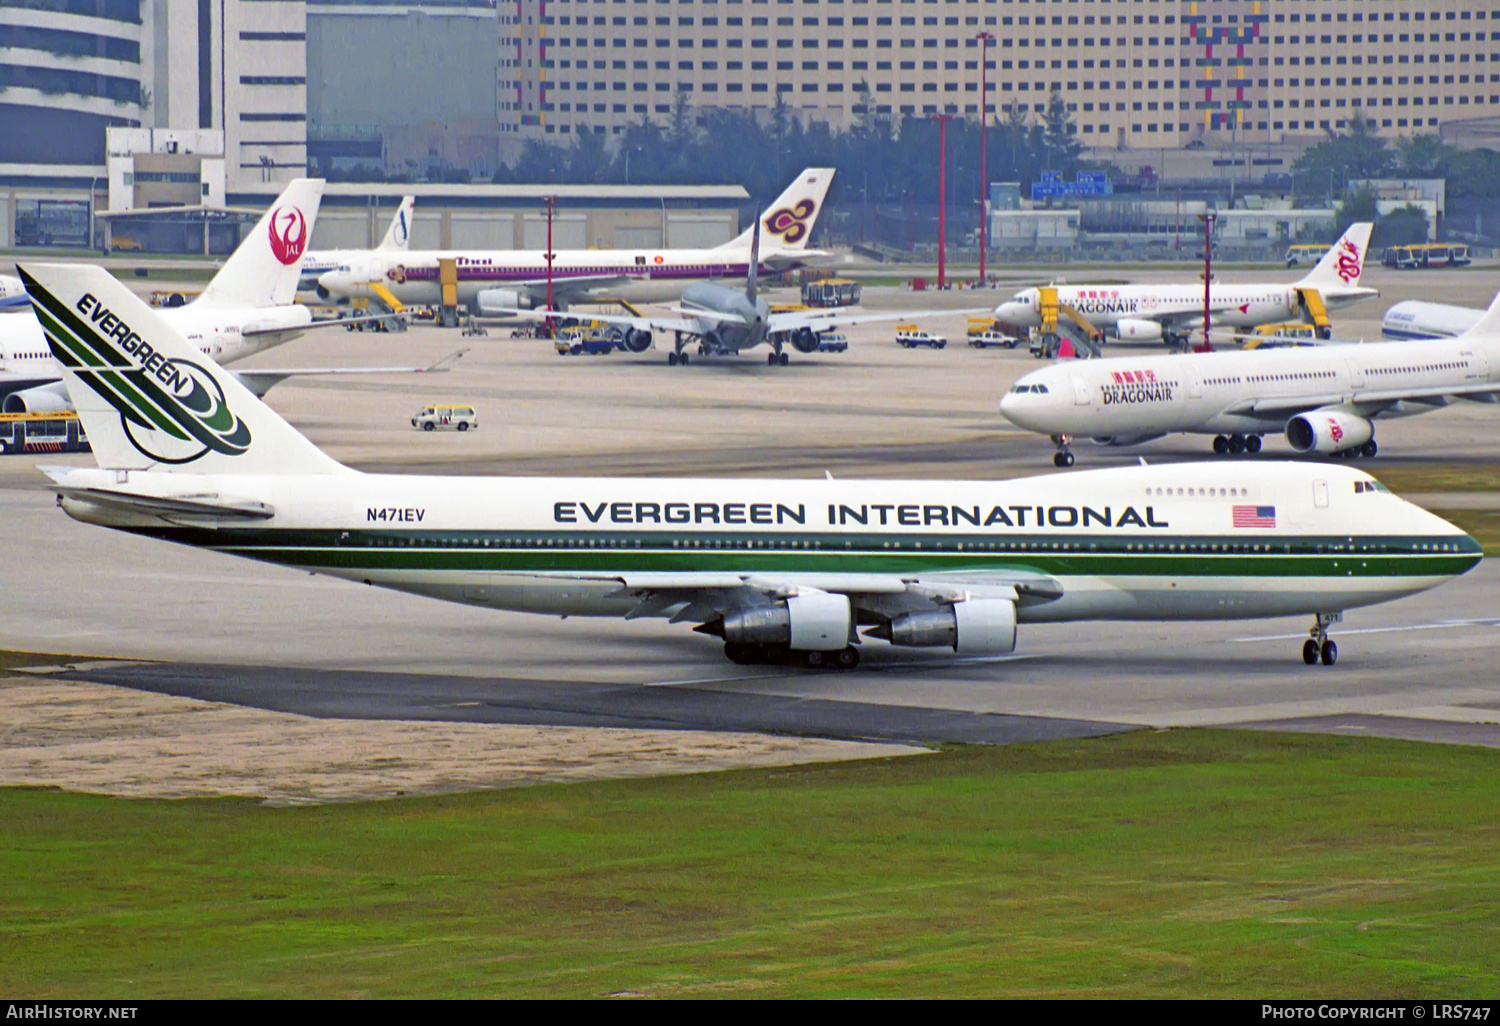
460 418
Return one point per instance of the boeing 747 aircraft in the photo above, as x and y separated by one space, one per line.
1168 313
780 570
517 279
1325 399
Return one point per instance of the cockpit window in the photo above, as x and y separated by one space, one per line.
1039 389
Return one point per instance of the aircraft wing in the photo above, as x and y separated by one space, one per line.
820 319
262 381
279 335
21 302
687 327
1480 391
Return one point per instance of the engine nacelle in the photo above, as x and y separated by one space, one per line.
972 627
817 622
1328 431
635 340
51 398
805 340
1133 330
494 302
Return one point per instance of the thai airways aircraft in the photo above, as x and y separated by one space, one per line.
12 293
724 321
1168 313
316 263
1325 399
245 309
517 279
780 570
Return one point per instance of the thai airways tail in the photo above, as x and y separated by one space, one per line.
264 270
1342 265
789 221
398 235
148 399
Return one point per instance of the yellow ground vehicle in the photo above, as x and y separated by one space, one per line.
830 292
1426 254
1283 334
1305 253
42 432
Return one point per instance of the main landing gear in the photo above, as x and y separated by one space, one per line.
1233 445
1319 645
777 358
1063 457
1367 451
677 356
748 654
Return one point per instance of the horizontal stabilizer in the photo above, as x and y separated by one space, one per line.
213 507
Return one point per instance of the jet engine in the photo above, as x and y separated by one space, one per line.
494 302
1328 431
817 622
1132 330
51 398
971 627
636 341
805 340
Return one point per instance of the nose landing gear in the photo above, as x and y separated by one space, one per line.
1319 645
1063 457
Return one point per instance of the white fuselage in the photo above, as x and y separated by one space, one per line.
1158 543
1240 306
645 275
219 332
1253 391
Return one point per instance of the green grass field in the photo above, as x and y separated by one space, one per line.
1186 863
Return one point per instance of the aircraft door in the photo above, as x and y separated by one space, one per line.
1082 394
1476 367
1356 373
1320 494
1195 386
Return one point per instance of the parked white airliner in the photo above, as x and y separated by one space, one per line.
1168 313
12 294
517 279
779 569
318 262
246 308
1325 398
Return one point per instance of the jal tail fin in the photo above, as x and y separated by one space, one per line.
147 398
791 218
1344 262
264 270
398 235
1488 326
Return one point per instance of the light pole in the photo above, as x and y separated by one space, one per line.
942 120
551 202
985 39
1208 271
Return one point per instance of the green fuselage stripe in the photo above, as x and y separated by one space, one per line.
655 552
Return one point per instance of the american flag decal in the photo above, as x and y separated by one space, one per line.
1255 516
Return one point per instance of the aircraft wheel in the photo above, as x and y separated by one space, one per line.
846 659
1252 443
784 359
671 359
1221 444
1062 459
814 660
1330 653
683 359
1369 449
1236 444
770 359
1310 652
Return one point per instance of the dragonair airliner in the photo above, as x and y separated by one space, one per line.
517 279
1325 399
791 570
1168 313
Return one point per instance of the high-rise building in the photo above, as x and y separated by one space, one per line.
1135 74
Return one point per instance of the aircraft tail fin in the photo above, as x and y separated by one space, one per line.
147 398
398 235
791 218
266 267
1344 261
1489 324
754 270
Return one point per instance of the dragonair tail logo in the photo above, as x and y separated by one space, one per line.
790 223
288 230
172 410
1348 263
